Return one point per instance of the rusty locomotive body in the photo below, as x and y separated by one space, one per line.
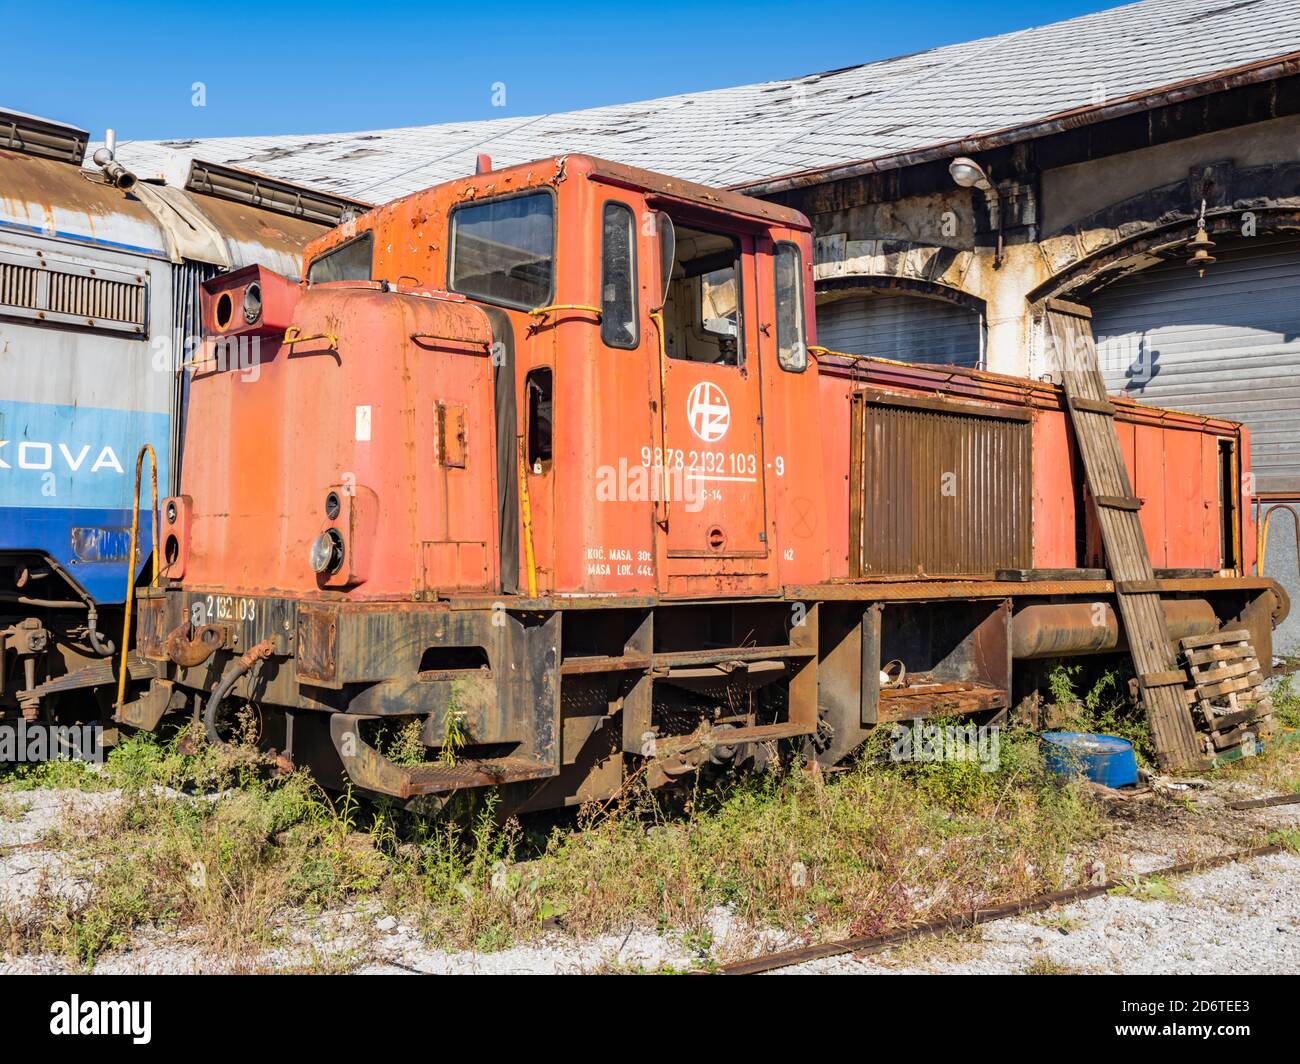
542 463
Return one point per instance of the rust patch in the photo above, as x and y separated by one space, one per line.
318 633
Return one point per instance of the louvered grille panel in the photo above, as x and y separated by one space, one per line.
65 293
96 298
18 285
936 492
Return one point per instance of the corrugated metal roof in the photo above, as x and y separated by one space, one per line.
753 132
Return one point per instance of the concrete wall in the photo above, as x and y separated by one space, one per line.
1056 221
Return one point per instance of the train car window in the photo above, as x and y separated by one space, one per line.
503 251
347 262
618 316
702 315
538 390
791 344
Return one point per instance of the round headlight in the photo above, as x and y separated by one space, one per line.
171 513
327 552
252 302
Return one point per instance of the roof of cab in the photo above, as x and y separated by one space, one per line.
417 207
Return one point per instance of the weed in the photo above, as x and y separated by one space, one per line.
1102 709
1150 888
214 845
1044 966
1286 703
453 733
12 808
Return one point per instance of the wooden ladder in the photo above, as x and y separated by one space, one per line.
1161 681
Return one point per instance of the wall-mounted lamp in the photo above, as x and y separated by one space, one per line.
1200 246
967 173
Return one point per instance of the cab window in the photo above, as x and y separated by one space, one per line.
702 313
791 344
618 317
503 251
347 262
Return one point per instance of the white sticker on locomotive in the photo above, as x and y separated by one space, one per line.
618 561
708 411
228 608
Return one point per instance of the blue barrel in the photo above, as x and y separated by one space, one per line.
1105 759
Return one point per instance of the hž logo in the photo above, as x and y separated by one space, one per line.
708 412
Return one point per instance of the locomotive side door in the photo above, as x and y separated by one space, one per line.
714 517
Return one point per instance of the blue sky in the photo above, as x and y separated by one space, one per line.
280 67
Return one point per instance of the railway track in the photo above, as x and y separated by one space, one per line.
862 946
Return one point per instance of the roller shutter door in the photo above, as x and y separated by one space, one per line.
908 328
1227 344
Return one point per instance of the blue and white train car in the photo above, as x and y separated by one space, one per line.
99 310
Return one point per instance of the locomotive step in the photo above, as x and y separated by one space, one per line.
101 672
756 733
673 659
371 770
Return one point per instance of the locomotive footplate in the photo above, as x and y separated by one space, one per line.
488 677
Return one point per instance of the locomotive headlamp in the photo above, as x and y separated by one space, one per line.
326 555
252 303
171 513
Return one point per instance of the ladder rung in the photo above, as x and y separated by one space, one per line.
1092 406
1171 678
1117 502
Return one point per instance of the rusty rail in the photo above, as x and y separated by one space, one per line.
964 921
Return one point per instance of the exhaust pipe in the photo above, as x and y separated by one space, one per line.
106 159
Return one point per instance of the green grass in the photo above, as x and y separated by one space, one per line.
222 868
860 851
1286 702
1149 888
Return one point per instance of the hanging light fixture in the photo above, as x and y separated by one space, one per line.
1201 245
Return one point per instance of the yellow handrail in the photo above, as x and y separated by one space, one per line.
130 567
1261 537
293 335
541 312
526 516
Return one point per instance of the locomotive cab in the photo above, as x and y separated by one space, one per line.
641 415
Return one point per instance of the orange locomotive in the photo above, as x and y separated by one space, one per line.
542 460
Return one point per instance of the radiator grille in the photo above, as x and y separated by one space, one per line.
18 285
69 293
938 491
96 297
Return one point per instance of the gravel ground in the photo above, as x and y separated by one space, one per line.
1238 918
